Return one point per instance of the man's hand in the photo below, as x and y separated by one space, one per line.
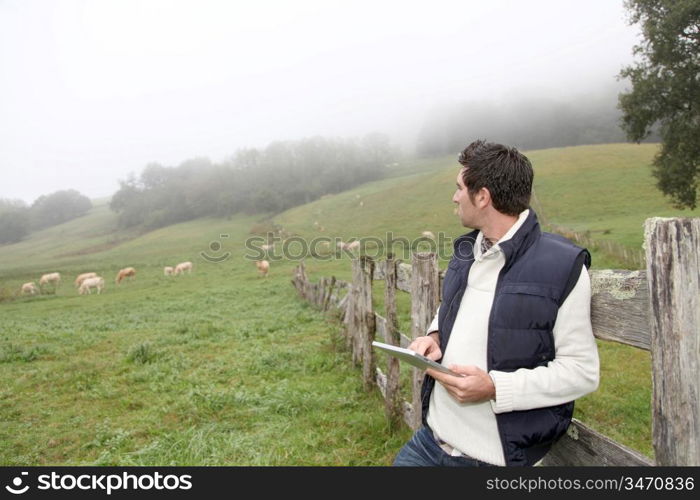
475 385
427 346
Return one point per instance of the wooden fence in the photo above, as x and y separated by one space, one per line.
656 309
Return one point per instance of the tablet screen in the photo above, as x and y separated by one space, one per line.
413 358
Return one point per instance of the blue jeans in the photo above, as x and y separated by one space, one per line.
423 451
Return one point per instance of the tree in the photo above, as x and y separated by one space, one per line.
58 207
666 92
13 227
8 205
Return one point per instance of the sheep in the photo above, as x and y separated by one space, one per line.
168 271
355 245
54 278
81 277
428 234
263 267
182 267
267 248
127 272
96 282
29 288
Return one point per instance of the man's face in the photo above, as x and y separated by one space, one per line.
466 210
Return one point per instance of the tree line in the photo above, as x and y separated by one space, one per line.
269 180
17 219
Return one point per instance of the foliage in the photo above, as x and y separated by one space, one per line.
14 225
8 205
282 175
17 220
666 92
58 207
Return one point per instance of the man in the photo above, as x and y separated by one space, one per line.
514 321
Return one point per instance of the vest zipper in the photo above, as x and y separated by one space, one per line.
489 339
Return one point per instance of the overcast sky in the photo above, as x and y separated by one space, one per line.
93 90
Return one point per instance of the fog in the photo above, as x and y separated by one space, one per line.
93 90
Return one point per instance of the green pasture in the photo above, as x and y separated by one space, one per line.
223 367
217 367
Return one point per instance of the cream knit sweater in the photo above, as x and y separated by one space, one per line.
471 427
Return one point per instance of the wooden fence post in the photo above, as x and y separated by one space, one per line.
394 411
328 294
350 319
368 325
300 280
363 323
673 273
425 297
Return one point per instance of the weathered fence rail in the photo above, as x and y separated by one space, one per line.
656 309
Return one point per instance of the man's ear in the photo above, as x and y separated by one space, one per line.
483 197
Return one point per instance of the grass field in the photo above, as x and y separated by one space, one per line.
217 367
222 367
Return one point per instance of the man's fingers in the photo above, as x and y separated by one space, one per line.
466 369
443 378
425 346
419 346
434 354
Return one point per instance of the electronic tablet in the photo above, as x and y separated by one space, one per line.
413 358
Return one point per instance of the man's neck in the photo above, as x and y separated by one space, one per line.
497 226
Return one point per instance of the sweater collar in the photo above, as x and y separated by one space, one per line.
513 244
484 250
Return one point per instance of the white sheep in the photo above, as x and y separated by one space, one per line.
54 278
82 277
29 288
182 267
88 284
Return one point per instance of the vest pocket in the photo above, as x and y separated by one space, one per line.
526 307
523 320
520 348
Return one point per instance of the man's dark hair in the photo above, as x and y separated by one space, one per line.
504 171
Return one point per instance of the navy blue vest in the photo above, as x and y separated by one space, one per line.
540 271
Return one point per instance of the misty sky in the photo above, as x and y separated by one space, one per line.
93 90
